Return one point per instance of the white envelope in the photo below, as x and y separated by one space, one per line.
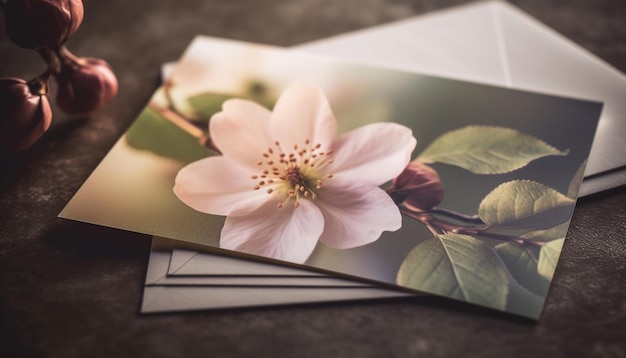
194 263
197 268
495 43
489 42
162 296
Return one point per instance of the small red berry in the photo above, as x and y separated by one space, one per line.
42 24
25 112
85 84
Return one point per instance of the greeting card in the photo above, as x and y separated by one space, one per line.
504 45
428 184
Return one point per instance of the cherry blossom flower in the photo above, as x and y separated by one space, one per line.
285 181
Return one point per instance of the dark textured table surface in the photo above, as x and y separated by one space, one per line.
73 290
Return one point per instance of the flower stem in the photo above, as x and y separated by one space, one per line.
438 226
179 121
474 219
171 104
177 118
53 63
68 59
424 217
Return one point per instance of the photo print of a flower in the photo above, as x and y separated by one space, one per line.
433 185
284 184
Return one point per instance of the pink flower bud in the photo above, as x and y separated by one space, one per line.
42 24
85 84
418 187
25 112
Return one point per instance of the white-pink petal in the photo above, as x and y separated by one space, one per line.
355 214
215 186
241 131
261 228
303 113
375 153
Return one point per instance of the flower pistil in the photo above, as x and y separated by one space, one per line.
296 174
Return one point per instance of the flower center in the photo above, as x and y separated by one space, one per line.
293 175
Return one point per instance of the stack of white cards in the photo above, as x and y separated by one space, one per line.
487 42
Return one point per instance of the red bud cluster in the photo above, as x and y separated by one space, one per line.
418 187
84 84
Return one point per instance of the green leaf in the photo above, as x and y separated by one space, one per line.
574 185
487 150
548 257
153 133
557 232
521 260
207 104
521 206
456 266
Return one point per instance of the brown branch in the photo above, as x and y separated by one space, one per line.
178 121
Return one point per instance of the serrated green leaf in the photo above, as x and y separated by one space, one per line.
548 257
574 185
521 260
521 206
152 132
456 266
487 149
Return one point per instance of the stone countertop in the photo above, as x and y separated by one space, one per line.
69 289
